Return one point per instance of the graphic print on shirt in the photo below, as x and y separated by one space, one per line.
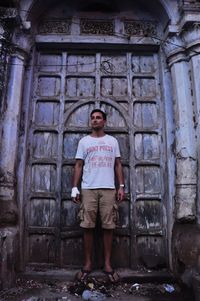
99 158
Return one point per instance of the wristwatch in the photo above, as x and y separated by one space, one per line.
122 185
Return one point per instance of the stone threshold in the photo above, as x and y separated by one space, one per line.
126 275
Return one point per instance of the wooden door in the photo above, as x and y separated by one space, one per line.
67 86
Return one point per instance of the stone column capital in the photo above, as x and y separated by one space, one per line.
191 36
22 42
175 48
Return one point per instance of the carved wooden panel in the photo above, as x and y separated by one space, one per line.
45 145
42 249
49 63
144 87
43 177
70 143
147 146
115 64
114 87
148 215
148 179
69 214
121 251
151 250
81 63
67 87
80 87
67 173
42 212
145 115
47 113
143 64
48 86
72 251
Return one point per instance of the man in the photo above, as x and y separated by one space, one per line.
98 161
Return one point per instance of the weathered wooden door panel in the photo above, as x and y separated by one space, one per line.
67 86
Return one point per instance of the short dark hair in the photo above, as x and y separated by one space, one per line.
99 111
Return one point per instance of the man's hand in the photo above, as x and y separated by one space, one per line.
120 194
75 195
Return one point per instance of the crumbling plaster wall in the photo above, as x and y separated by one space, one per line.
184 63
9 132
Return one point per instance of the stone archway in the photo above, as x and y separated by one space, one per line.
122 78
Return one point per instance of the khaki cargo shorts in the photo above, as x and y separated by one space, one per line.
102 200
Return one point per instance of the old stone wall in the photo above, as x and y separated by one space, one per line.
186 228
9 240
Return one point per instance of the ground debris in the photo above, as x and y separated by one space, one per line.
32 290
77 287
152 289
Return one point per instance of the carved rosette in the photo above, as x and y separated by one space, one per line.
97 27
55 27
140 28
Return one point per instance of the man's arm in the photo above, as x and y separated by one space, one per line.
120 178
76 179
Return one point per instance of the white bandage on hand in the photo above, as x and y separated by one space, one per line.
75 191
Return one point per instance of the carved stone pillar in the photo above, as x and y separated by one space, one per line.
195 74
9 143
8 127
185 150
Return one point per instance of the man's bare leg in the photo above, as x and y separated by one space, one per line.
108 240
88 247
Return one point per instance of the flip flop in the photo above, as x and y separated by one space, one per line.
112 276
82 275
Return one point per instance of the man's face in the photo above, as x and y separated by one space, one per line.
97 121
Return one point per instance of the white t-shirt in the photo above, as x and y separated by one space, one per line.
99 159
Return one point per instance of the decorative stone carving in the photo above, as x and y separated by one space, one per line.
189 5
5 35
55 26
7 13
140 28
175 49
102 27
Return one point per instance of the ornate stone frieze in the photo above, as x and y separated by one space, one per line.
55 26
140 28
8 13
101 27
189 5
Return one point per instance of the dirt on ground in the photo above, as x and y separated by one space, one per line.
31 290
